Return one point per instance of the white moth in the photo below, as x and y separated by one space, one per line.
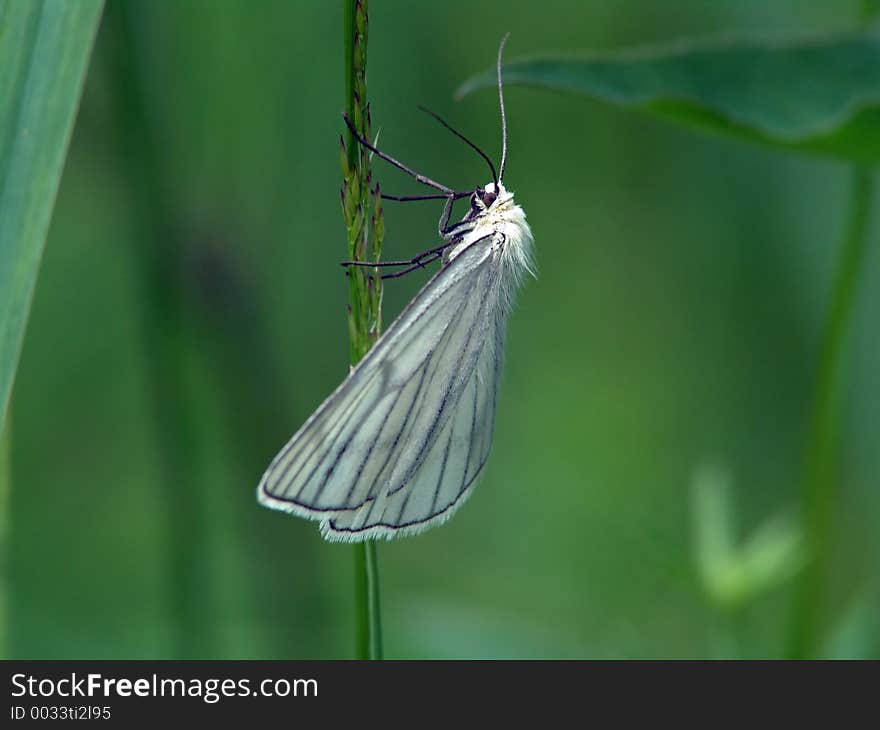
397 448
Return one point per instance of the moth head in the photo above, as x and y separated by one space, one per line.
482 198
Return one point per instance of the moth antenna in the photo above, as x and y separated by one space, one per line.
503 115
465 140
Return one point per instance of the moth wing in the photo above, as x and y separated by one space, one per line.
452 463
371 436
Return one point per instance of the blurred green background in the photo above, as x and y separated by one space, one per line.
190 314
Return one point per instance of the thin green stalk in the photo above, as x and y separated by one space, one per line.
348 49
362 212
822 483
369 619
5 481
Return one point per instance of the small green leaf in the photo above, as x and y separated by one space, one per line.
819 95
734 574
773 554
44 50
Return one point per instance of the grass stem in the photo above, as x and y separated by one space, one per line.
822 479
822 483
5 482
362 212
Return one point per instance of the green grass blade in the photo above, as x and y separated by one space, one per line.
822 485
5 437
44 51
818 95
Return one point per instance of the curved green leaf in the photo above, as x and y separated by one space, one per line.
44 49
819 95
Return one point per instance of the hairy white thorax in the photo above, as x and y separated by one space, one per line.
506 221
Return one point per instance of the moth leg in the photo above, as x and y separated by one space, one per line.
415 263
431 252
443 225
420 264
410 198
389 159
455 231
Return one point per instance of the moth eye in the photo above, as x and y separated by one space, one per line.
489 198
